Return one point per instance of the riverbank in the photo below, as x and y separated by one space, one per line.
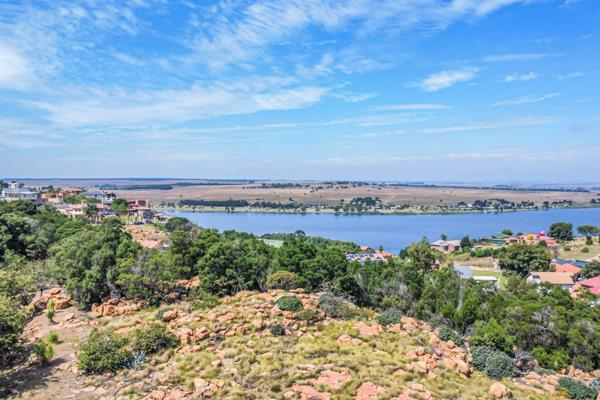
331 211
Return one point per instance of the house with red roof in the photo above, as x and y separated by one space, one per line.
592 284
571 269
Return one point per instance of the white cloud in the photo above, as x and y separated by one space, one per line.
519 57
352 97
445 79
521 77
410 107
526 100
15 72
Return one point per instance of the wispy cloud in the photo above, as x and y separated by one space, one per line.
526 100
521 77
410 107
445 79
519 57
529 121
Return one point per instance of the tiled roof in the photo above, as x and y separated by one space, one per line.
554 278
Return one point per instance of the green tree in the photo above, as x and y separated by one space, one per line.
465 243
422 256
524 258
12 323
591 270
119 206
589 231
561 231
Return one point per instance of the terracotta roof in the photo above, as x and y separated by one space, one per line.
568 268
554 278
593 284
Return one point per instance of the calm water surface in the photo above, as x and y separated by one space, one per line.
393 232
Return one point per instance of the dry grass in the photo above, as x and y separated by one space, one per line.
331 195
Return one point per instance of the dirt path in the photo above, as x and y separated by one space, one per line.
59 379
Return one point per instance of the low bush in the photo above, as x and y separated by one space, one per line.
577 390
52 337
480 356
152 339
499 365
44 351
104 352
389 317
448 334
283 280
308 316
204 300
289 303
585 250
277 329
334 307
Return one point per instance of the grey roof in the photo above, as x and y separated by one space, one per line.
464 271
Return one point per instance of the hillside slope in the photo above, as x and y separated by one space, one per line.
228 352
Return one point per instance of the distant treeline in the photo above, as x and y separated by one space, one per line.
169 186
238 203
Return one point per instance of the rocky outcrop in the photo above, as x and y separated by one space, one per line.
56 296
115 307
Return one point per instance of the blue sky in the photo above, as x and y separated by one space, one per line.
444 90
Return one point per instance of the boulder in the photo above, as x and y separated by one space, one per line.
499 391
333 379
170 315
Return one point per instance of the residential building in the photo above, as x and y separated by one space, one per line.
562 279
14 194
571 269
592 284
535 238
100 195
577 263
446 246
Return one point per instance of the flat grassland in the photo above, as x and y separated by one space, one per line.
331 195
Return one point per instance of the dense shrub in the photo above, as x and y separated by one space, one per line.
334 307
491 334
152 339
555 360
499 365
448 334
277 329
103 352
44 351
577 390
480 356
283 280
289 303
389 317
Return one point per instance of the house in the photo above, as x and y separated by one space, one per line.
72 210
466 272
562 279
577 263
137 202
364 257
446 246
569 269
101 196
592 284
14 194
535 238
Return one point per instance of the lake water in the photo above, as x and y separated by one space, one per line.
393 232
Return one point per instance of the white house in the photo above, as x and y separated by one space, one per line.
14 194
562 279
